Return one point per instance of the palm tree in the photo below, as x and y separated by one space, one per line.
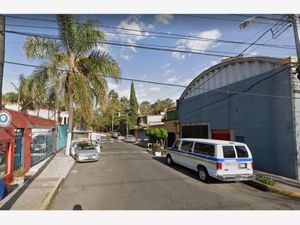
73 65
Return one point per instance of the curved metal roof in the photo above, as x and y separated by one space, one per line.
232 62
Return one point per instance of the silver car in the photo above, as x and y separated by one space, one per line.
130 139
85 151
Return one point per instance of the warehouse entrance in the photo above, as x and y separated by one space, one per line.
195 131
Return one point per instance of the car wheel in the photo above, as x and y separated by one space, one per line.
203 174
169 160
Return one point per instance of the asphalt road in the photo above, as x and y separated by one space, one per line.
128 178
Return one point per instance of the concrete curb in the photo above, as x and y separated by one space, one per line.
265 187
51 195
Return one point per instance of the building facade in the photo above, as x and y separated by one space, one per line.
171 124
255 100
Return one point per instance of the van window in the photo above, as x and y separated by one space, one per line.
228 152
187 146
204 149
176 145
241 151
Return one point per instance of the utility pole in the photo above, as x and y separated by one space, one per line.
2 52
296 27
112 122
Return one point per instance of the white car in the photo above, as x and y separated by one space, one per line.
223 160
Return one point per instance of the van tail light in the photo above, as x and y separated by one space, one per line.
219 166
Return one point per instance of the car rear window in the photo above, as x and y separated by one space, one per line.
85 146
204 149
241 151
228 152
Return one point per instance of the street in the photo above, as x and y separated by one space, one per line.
128 178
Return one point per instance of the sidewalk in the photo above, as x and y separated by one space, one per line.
282 185
41 191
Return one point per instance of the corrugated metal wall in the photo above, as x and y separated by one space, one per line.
265 123
229 74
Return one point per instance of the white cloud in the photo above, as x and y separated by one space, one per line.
154 89
135 29
172 80
126 57
197 44
252 53
144 76
165 66
168 72
102 48
164 18
178 55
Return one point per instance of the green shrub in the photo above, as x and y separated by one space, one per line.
265 180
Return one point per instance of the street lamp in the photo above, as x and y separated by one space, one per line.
295 21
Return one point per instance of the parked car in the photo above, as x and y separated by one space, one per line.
84 151
116 135
39 143
223 160
130 138
121 137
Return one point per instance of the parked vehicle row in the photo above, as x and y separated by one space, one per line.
223 160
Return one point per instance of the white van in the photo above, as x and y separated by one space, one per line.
223 160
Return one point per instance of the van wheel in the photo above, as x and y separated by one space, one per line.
169 160
203 174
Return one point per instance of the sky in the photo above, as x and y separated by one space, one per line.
158 66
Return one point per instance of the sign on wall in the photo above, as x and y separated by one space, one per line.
5 118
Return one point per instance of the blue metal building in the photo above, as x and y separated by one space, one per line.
255 100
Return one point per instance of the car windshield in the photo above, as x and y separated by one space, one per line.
85 146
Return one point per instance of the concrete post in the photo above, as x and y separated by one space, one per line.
2 53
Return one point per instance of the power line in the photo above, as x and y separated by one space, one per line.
219 18
145 33
166 84
149 47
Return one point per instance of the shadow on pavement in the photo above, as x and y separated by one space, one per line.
30 179
188 172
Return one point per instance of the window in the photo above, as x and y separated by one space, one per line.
176 145
228 152
187 146
204 149
241 151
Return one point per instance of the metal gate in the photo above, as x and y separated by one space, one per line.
42 146
61 137
18 159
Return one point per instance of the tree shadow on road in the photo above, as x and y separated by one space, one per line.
186 171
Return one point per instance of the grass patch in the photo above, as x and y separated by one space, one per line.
265 180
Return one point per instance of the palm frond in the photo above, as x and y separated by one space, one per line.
82 94
39 48
102 64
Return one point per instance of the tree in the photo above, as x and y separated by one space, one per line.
145 108
73 64
25 93
157 137
10 97
134 105
160 105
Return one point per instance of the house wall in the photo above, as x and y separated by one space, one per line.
265 123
